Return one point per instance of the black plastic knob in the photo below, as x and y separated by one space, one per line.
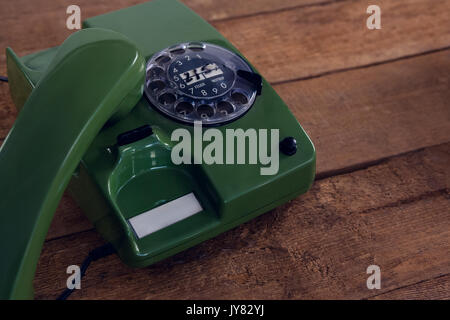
288 146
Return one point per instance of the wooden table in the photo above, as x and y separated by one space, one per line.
376 103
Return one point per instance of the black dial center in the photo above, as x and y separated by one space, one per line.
200 76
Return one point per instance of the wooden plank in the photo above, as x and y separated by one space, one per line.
394 215
364 115
433 289
355 119
314 39
308 41
300 42
49 28
213 10
41 24
46 20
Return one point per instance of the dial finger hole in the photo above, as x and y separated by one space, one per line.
155 72
167 98
157 85
225 108
205 111
162 59
239 97
184 108
177 51
196 46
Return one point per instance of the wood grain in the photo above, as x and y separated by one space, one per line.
363 97
42 23
313 40
433 289
319 245
298 42
358 117
213 10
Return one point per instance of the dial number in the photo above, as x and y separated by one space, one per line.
201 77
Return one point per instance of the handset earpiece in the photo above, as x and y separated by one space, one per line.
95 76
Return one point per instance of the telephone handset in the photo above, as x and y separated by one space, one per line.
102 111
52 132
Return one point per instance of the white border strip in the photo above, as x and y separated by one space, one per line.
165 215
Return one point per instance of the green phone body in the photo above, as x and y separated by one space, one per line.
114 183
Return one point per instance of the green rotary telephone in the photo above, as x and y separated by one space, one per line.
160 129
